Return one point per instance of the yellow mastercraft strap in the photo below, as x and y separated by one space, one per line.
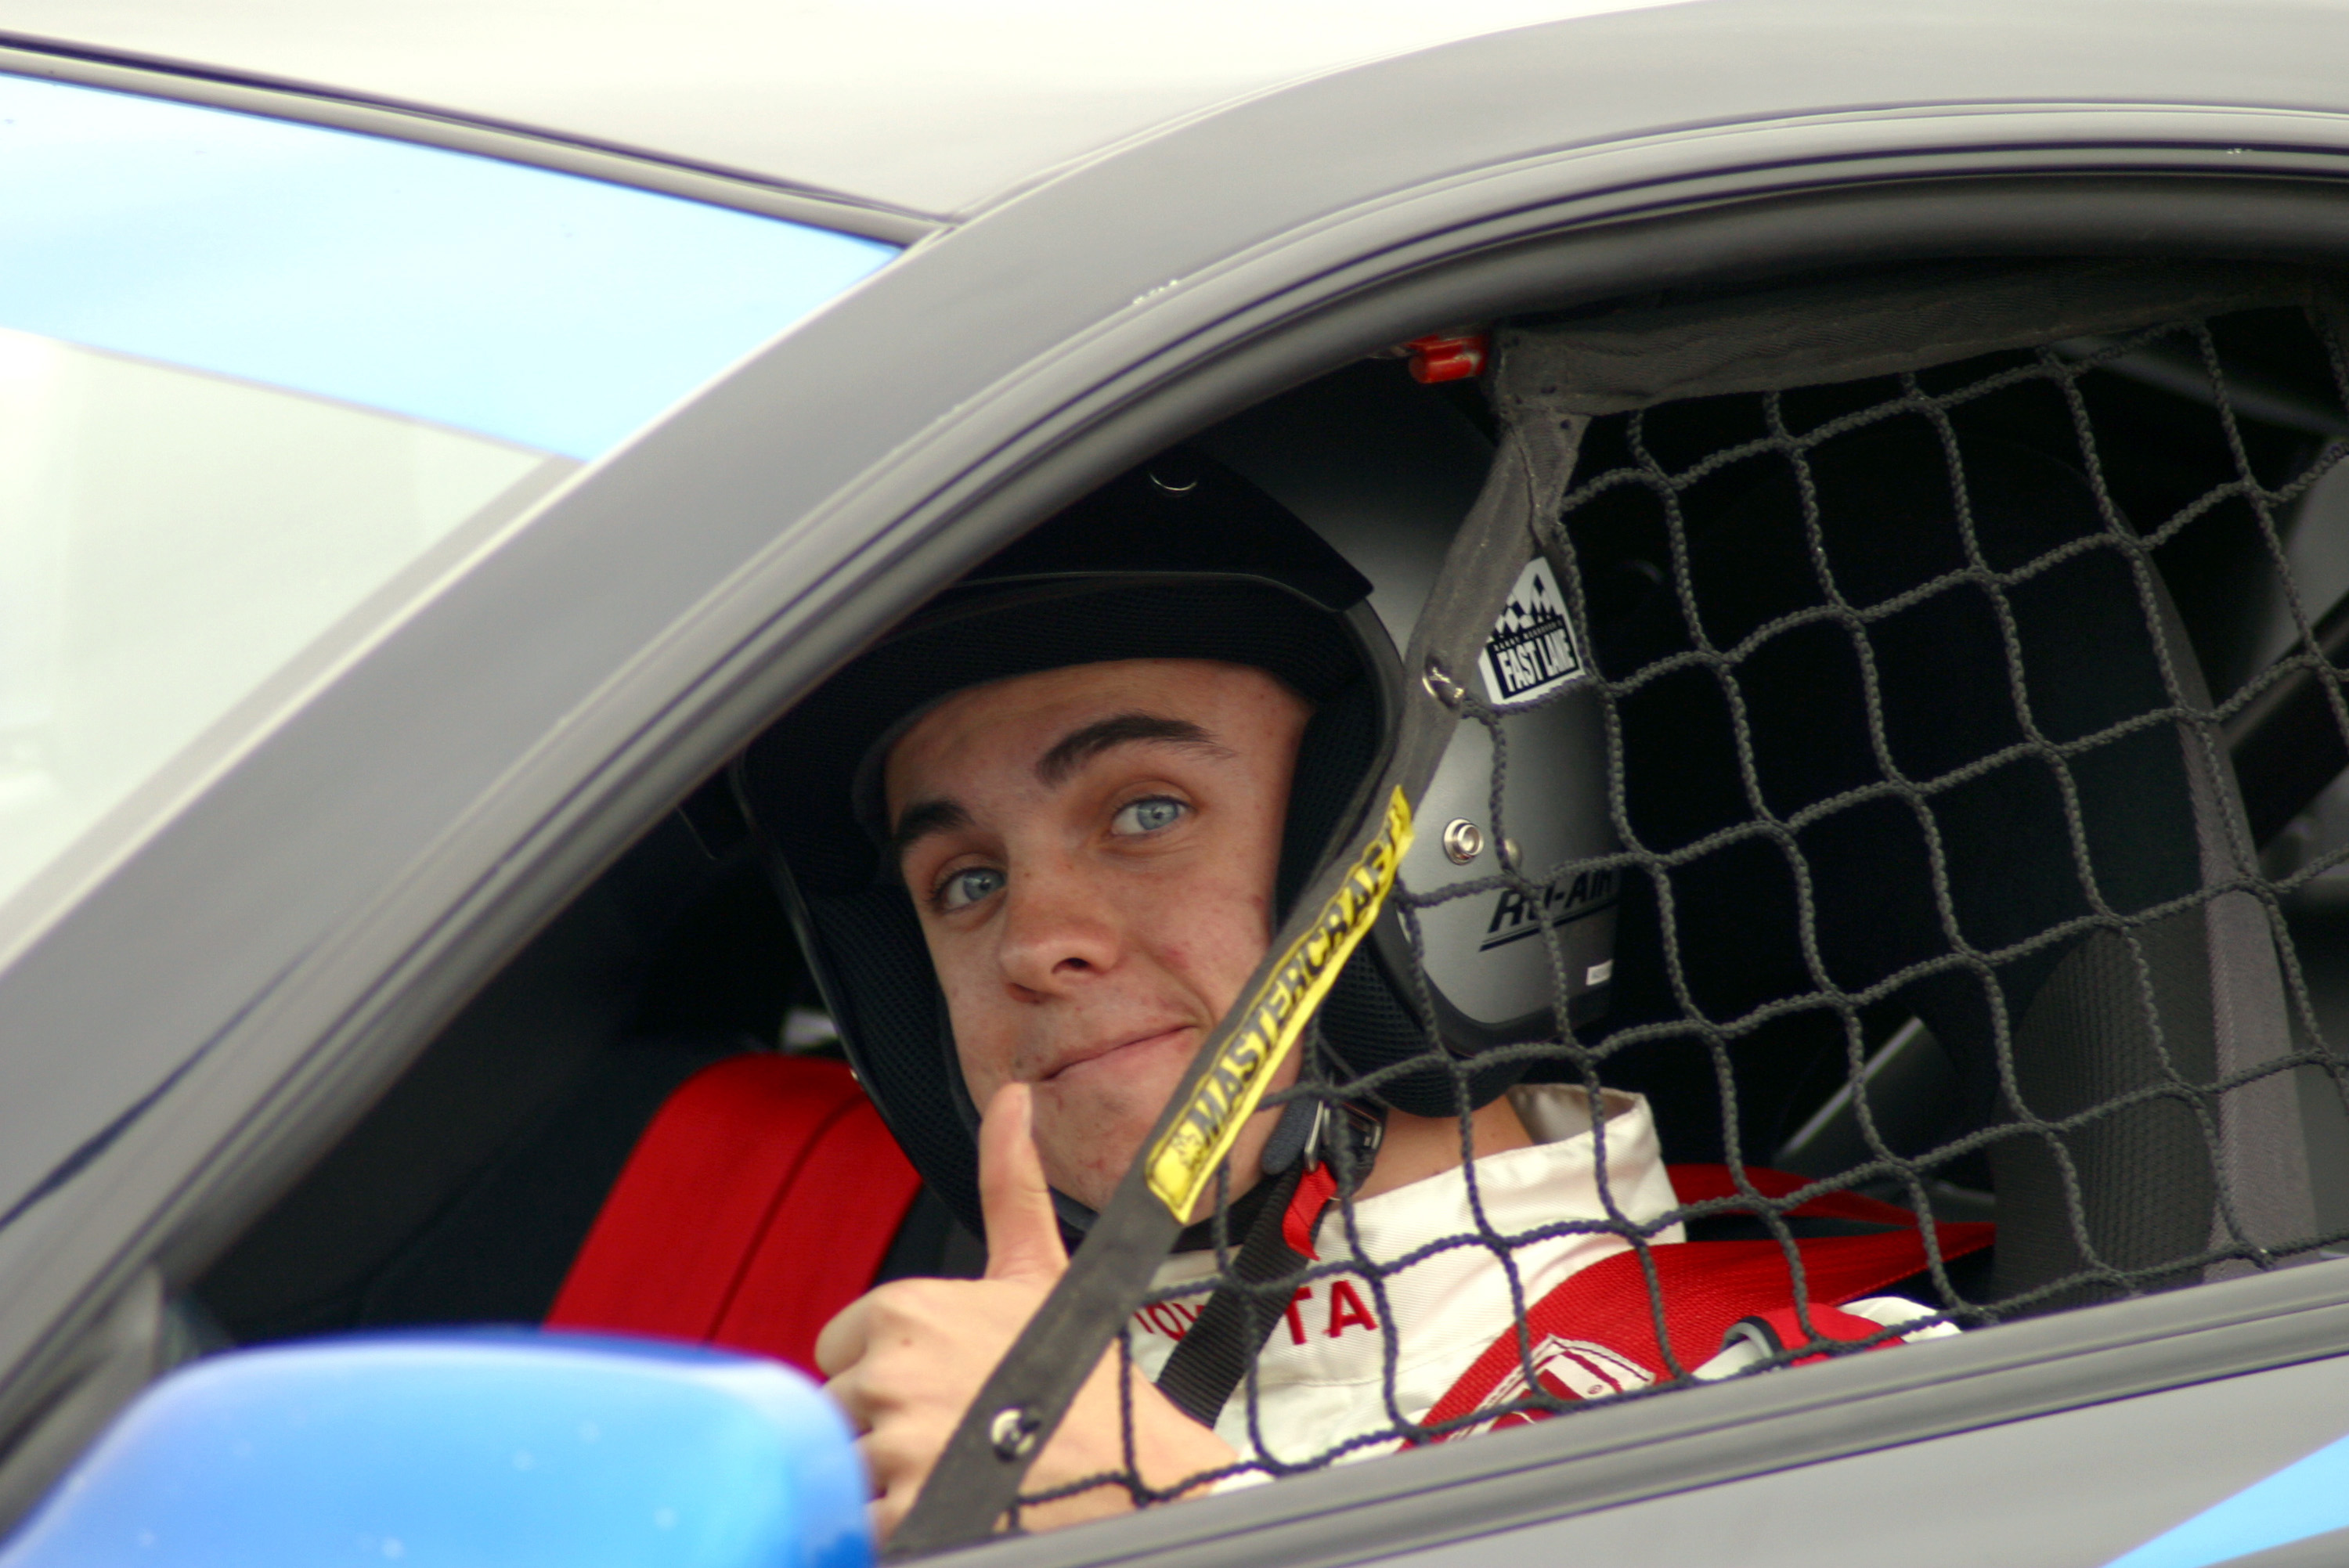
1184 1160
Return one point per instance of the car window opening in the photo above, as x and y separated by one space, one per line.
1896 804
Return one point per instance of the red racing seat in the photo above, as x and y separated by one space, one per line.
760 1201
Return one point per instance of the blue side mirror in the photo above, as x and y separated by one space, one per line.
506 1450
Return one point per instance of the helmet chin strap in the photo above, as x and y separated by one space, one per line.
1232 1325
1296 1137
1344 1134
1321 1127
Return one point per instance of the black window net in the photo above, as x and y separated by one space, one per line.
1965 643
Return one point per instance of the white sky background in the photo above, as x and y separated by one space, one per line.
930 104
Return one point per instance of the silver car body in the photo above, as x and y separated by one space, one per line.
1120 224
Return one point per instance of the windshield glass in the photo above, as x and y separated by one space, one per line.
252 373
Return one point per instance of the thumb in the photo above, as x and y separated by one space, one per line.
1024 1231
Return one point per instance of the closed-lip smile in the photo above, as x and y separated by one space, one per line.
1097 1053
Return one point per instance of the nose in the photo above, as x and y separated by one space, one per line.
1059 931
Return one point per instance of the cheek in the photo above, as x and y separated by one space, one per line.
1219 942
1087 1140
983 1040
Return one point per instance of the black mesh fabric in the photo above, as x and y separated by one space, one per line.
1345 735
1910 605
2143 1172
1997 844
867 948
1369 1033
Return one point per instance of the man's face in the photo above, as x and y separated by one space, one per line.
1092 850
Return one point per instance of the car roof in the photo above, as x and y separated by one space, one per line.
930 107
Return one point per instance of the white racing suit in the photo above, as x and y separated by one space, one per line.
1321 1381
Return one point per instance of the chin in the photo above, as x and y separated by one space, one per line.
1108 1115
1086 1148
1089 1184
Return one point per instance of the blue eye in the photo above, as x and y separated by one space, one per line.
966 888
1148 816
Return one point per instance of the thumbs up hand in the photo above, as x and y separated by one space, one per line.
1023 1230
906 1359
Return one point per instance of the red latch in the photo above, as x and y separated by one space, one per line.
1447 355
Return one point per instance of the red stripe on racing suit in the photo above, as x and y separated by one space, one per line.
1597 1333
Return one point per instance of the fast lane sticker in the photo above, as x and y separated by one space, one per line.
1532 651
1183 1161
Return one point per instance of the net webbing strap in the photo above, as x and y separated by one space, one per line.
1548 379
2110 1193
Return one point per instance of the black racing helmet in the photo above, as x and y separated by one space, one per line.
1183 558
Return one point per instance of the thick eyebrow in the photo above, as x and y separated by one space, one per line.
923 818
1079 747
1068 754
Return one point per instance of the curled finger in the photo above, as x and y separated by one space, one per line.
842 1344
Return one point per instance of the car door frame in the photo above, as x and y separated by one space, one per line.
384 872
